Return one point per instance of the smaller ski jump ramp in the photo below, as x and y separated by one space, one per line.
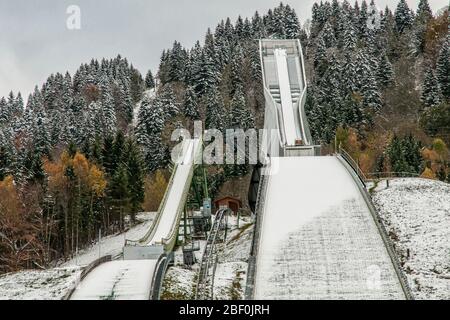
139 275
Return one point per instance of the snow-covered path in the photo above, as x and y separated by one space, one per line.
318 239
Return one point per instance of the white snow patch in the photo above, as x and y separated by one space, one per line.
416 213
112 245
52 284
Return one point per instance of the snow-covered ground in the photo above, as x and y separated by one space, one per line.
53 284
231 273
416 214
50 284
318 239
229 283
112 245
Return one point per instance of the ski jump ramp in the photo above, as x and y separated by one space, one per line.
318 239
139 275
316 235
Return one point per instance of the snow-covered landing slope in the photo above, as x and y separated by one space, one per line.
318 239
416 213
118 280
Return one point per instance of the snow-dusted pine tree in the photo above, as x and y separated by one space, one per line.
443 69
403 16
385 72
190 106
149 80
430 89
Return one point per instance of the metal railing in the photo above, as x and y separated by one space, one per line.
88 269
355 166
259 212
151 231
205 281
360 180
158 276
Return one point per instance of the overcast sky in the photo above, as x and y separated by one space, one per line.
35 42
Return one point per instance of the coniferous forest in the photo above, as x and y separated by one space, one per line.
85 152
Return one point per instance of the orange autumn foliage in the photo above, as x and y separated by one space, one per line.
88 174
428 174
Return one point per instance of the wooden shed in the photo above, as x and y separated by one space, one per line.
233 203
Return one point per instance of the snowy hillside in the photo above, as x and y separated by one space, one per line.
50 284
416 213
112 245
53 284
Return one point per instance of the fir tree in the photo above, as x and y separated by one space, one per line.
328 35
107 111
120 193
443 69
190 107
430 89
236 67
135 173
292 25
385 72
215 111
149 80
362 20
424 12
7 156
320 57
241 117
403 17
349 36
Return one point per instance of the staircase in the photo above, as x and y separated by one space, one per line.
295 94
205 281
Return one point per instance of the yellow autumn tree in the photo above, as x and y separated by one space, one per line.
155 187
428 174
96 181
9 202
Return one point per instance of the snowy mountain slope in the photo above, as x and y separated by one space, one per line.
416 213
231 273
